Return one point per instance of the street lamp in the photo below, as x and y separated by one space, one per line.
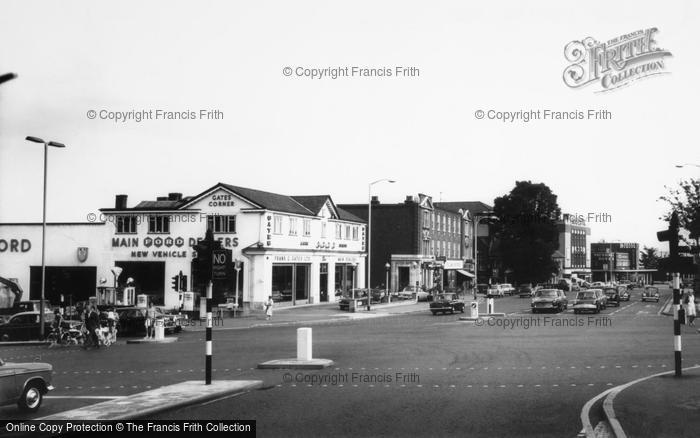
237 266
478 219
43 230
388 297
369 234
7 77
687 164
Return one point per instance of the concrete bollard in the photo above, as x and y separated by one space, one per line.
304 343
489 306
475 309
160 329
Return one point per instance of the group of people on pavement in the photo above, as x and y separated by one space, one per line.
690 306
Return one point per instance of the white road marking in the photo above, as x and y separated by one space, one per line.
84 397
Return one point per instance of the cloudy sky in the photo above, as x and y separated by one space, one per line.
297 135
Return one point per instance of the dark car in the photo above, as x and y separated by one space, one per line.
446 302
624 292
132 321
590 300
549 300
650 293
25 326
526 290
24 384
613 295
360 298
482 288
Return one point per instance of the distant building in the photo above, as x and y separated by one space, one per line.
573 256
614 261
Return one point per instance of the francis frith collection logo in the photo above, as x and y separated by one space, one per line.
615 63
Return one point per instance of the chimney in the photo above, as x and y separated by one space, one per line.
174 196
375 200
120 202
409 199
162 198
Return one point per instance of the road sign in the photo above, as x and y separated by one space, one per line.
219 264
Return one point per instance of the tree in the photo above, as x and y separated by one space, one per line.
526 231
685 200
649 258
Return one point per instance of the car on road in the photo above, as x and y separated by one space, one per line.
25 326
508 289
597 284
624 292
590 300
482 288
413 292
549 300
613 295
447 302
526 290
24 384
650 293
495 290
132 321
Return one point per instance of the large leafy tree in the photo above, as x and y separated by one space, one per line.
685 200
649 258
526 231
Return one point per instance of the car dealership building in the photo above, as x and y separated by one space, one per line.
297 249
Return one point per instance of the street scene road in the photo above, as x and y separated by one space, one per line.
401 374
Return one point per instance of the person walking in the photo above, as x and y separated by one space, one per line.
93 324
690 309
150 321
268 308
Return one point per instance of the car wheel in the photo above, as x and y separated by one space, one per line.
31 398
5 337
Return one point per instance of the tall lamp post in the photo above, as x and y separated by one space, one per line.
43 230
687 165
369 236
7 77
388 297
478 219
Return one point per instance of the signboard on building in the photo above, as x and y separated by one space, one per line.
219 264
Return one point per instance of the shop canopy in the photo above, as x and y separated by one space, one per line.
465 273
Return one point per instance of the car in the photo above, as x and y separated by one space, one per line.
526 290
564 285
132 321
650 293
508 289
413 292
613 295
482 288
25 326
624 292
24 384
549 300
345 302
597 284
446 302
495 290
590 300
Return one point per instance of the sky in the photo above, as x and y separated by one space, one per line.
299 135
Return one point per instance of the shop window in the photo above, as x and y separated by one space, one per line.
292 226
159 224
221 224
324 230
277 224
126 224
307 227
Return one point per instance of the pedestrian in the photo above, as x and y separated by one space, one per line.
690 309
150 321
112 324
268 308
57 325
93 324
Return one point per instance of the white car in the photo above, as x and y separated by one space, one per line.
495 290
508 288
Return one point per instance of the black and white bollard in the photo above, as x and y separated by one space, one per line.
207 361
677 323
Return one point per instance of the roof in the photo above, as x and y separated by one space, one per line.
314 203
347 216
270 201
474 207
158 205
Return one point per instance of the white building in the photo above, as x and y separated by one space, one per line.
297 249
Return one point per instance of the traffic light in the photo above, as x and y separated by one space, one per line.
671 236
176 283
183 282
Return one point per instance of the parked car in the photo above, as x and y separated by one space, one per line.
24 384
613 295
549 300
412 292
650 293
446 302
132 321
25 326
624 292
344 303
597 284
526 290
590 300
495 290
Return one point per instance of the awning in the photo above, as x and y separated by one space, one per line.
465 273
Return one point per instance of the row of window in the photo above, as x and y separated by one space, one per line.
441 222
160 224
342 231
441 248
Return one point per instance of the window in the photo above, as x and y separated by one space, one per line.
324 230
126 224
307 227
277 224
338 231
355 233
426 218
221 224
293 226
158 224
347 232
